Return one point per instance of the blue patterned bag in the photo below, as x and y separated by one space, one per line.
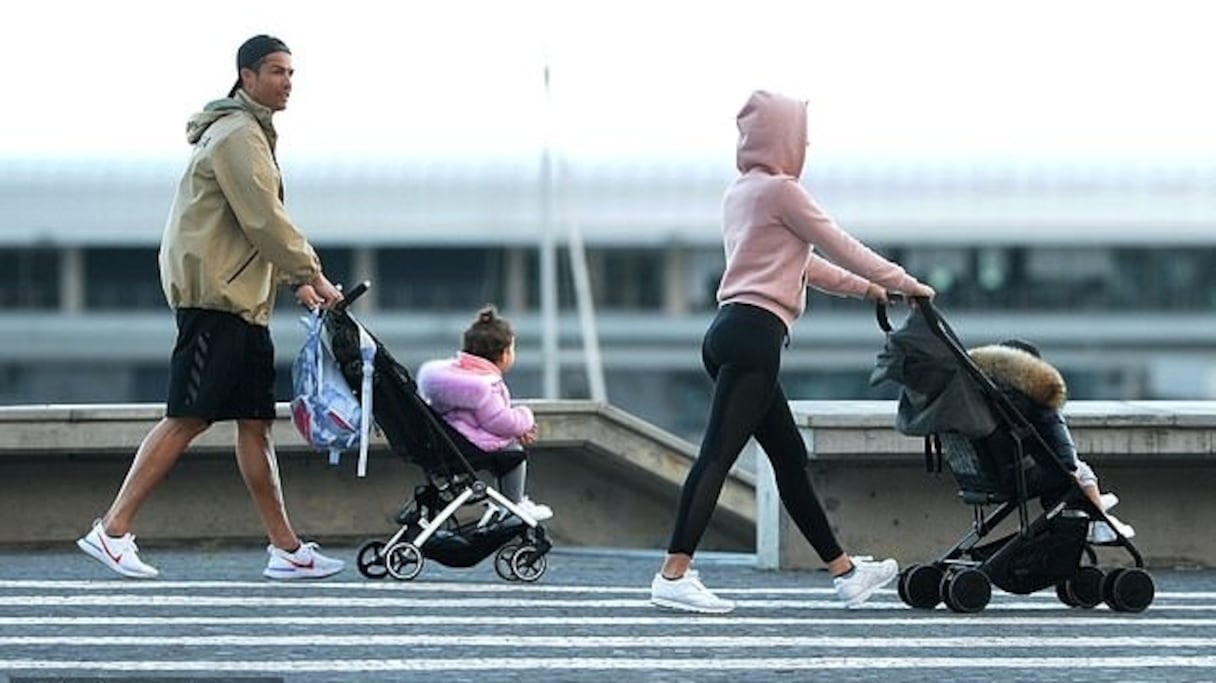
325 410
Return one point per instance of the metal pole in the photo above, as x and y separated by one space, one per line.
582 290
550 362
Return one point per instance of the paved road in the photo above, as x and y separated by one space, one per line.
211 617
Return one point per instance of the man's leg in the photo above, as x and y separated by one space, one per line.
157 454
259 467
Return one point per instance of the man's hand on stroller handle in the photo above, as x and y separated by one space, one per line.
318 293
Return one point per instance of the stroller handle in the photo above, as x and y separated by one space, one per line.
354 293
880 310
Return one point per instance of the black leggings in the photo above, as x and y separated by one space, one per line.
742 353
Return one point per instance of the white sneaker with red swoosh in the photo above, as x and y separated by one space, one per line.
119 554
305 563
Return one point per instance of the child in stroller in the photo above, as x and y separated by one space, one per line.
1037 389
435 523
469 393
1001 460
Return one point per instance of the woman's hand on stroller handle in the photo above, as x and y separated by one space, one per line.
882 302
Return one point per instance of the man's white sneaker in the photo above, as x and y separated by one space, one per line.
538 511
687 594
305 563
855 587
1109 500
119 554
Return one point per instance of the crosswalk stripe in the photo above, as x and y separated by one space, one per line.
1111 619
593 642
455 587
619 663
274 602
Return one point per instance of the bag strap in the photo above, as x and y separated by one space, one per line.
933 453
367 349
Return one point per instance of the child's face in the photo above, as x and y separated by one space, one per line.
508 357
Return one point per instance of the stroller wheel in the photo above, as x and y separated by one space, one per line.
966 590
1063 594
528 563
370 560
403 561
502 562
1128 590
1085 587
921 585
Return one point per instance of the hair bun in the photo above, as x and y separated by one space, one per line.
487 314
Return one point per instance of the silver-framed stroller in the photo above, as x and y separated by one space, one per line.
1001 464
435 523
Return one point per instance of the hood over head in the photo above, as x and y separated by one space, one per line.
1023 371
772 134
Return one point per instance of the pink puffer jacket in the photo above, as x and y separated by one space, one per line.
469 392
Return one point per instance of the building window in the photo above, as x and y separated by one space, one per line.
437 279
122 279
29 279
627 279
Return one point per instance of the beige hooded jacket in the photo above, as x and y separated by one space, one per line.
771 226
228 241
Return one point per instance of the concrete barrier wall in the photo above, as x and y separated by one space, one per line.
611 478
1159 456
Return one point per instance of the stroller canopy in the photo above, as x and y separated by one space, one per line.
938 394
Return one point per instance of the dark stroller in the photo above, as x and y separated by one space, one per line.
431 522
1000 463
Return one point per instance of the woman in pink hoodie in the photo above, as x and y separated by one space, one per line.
468 391
773 233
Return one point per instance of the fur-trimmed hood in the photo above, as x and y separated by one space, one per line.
1020 370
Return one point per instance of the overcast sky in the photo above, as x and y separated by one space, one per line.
929 79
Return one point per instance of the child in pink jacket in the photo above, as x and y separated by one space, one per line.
468 391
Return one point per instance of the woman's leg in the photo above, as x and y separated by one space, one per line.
742 353
782 443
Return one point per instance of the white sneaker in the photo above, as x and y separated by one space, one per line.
538 511
1109 500
305 563
687 594
864 580
119 554
1101 532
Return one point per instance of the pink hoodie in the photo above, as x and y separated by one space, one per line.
469 392
771 225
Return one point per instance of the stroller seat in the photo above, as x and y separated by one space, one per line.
436 522
1001 465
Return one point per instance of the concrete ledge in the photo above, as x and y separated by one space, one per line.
1160 456
611 477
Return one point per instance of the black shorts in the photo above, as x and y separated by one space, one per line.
222 368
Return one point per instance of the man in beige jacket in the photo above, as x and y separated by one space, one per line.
227 245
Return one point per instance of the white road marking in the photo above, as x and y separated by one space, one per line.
620 664
962 621
593 642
